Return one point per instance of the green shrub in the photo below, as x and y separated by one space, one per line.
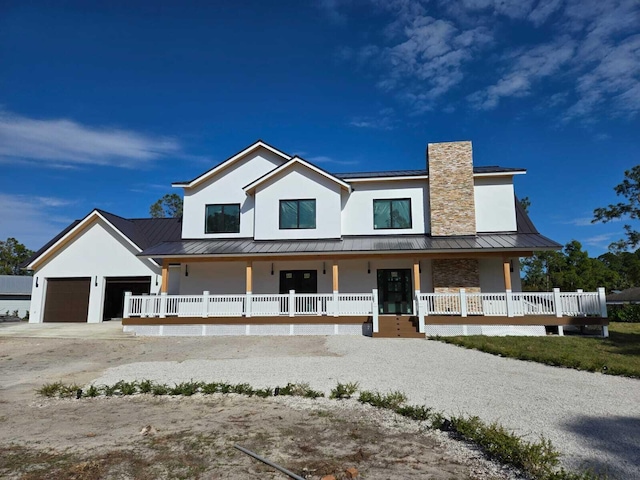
391 400
185 388
69 391
626 313
344 390
263 392
126 388
159 389
145 386
92 391
419 413
242 389
209 388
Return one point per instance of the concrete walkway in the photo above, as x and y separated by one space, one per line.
98 331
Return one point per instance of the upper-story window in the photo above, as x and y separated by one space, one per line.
222 218
392 213
297 214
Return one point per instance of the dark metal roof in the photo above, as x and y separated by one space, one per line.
15 285
630 295
378 243
423 172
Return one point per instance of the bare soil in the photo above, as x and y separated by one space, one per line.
193 437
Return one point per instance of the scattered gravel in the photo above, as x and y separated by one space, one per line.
593 419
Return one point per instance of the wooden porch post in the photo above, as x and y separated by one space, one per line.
334 272
506 266
416 294
249 282
164 287
416 274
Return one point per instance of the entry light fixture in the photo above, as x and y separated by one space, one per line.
186 270
96 282
156 280
511 266
272 269
419 266
324 268
368 267
36 282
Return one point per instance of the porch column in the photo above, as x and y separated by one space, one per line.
506 266
249 289
164 286
416 288
336 308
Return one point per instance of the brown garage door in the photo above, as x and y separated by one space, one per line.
67 300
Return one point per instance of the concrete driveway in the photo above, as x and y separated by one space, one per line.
104 330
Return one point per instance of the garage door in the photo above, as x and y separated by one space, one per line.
67 300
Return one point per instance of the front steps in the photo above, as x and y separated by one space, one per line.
398 326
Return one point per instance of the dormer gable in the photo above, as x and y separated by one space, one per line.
211 173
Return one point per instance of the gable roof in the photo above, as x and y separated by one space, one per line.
230 161
285 166
15 284
630 295
142 233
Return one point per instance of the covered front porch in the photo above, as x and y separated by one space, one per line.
351 295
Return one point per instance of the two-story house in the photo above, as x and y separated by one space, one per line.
272 244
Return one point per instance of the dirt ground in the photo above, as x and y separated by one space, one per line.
193 437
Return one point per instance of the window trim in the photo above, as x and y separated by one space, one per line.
391 200
298 200
206 208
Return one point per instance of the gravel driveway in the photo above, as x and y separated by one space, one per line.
593 419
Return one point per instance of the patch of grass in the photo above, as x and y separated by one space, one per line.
420 413
50 389
159 389
126 388
617 355
145 386
91 392
263 392
344 390
242 389
209 388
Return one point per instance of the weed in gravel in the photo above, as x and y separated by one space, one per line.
242 389
126 388
109 390
420 413
225 387
344 390
263 392
68 391
50 389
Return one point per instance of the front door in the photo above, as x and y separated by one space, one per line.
394 291
302 281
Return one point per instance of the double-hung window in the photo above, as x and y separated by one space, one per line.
392 213
222 218
297 214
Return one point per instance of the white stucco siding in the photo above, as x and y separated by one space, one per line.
495 204
355 279
217 278
357 213
492 275
297 183
98 252
227 187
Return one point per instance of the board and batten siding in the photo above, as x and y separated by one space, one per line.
227 187
495 204
357 213
97 252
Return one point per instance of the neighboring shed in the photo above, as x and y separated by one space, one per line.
630 295
15 294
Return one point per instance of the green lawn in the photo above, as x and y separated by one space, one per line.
617 355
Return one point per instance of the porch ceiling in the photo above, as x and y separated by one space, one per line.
418 244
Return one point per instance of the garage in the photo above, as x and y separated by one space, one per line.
67 300
114 293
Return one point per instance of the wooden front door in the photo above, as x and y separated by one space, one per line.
395 291
302 281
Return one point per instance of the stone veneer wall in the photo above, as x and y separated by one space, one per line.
450 275
451 195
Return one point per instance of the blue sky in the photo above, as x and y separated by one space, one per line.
105 105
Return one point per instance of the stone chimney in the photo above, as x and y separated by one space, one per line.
451 196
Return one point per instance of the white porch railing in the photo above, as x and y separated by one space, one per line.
462 304
514 304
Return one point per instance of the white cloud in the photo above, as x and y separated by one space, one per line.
64 143
602 240
33 221
384 120
583 55
320 159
